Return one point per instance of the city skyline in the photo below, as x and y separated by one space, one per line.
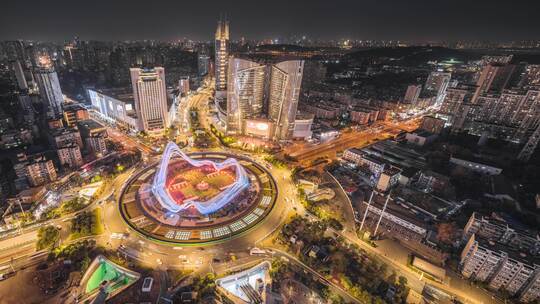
294 170
420 21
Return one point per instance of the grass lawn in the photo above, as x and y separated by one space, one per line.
96 228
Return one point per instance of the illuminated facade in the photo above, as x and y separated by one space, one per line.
49 87
285 81
258 90
245 96
222 55
163 195
150 96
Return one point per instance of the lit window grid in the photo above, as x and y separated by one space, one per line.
221 231
207 234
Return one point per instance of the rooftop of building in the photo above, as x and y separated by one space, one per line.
506 221
422 133
409 172
90 124
73 107
435 174
396 154
62 131
304 116
429 205
398 210
364 108
391 170
513 253
124 94
374 159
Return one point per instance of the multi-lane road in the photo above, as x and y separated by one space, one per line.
306 152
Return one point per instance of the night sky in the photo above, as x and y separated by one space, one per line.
418 20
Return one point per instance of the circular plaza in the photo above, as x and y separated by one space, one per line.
197 198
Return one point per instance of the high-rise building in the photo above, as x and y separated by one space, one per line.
203 63
61 137
245 94
150 95
270 90
49 87
221 57
285 82
436 85
493 78
501 267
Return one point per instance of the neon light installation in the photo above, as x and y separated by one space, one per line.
161 189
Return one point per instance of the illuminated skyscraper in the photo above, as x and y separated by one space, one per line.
257 90
222 56
245 95
285 81
150 97
49 87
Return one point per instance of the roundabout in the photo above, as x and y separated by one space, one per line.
199 198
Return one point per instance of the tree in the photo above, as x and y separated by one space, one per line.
446 233
47 237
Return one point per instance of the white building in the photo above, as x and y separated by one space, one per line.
285 81
302 127
437 83
114 106
150 95
501 268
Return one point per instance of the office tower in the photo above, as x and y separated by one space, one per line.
257 89
203 64
245 94
222 57
49 87
19 74
436 84
493 78
285 81
412 94
150 97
